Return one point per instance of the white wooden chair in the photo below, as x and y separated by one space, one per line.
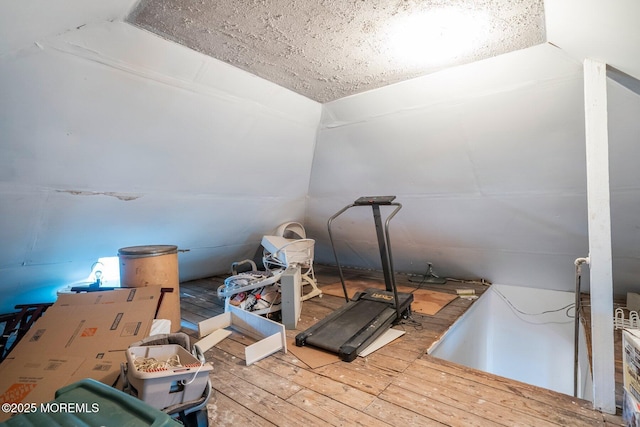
287 247
280 253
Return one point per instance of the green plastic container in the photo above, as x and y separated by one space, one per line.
89 403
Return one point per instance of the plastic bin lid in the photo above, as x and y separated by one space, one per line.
94 404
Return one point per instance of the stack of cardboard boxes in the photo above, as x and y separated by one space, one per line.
80 336
631 366
631 376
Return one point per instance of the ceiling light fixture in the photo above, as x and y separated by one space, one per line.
433 38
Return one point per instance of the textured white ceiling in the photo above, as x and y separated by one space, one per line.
329 49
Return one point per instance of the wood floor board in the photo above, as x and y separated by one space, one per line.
332 411
401 350
388 361
528 391
191 314
258 376
318 383
480 406
398 385
262 403
203 310
226 412
356 374
434 409
480 397
235 345
396 415
535 398
324 302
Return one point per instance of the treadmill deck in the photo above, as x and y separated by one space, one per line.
357 324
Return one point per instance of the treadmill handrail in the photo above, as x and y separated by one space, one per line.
389 258
333 247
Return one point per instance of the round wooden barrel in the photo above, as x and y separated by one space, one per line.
155 265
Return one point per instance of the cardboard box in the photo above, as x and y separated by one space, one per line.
631 361
87 330
80 336
110 297
106 370
92 324
630 410
34 380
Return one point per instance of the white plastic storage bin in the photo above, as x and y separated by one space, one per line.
168 386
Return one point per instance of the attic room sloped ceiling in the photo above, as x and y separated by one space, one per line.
113 136
326 50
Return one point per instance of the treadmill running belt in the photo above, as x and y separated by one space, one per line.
346 326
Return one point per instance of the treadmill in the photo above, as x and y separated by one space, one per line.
370 313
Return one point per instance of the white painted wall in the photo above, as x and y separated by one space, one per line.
487 159
489 162
598 29
468 341
113 137
521 333
624 152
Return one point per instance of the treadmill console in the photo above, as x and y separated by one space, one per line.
374 200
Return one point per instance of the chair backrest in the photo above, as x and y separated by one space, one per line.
291 230
297 252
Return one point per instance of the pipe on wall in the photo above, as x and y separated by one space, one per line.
578 263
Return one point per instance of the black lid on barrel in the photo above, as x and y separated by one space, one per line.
150 250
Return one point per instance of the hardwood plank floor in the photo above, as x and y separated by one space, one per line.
398 385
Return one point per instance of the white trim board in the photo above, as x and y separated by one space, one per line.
270 335
599 227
